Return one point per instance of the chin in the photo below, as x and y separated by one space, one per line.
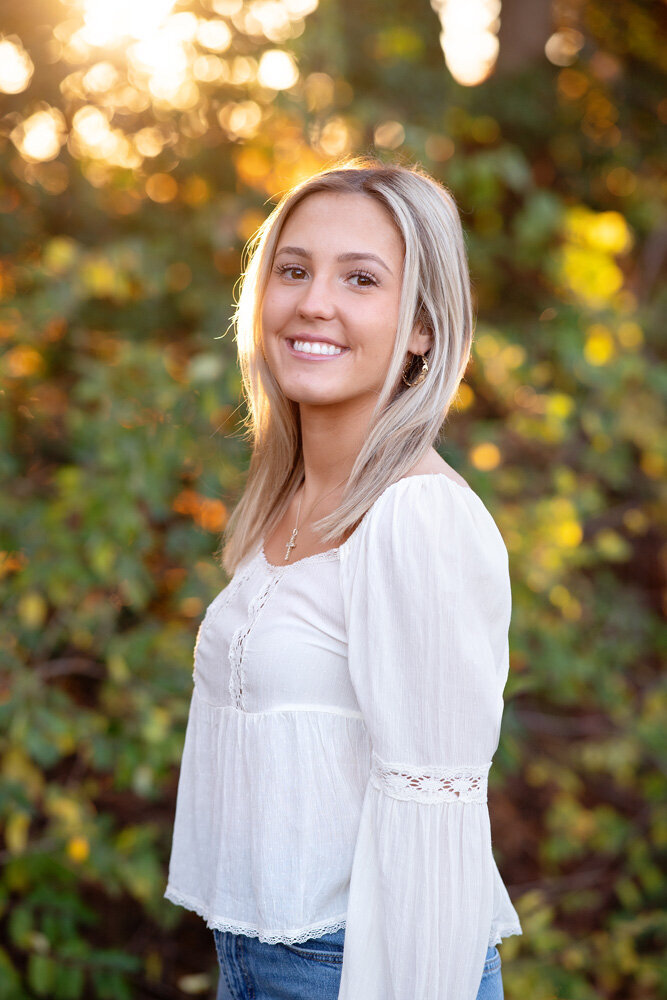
312 398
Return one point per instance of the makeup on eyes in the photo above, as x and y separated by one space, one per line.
282 269
351 255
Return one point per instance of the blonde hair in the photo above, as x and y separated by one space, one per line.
405 422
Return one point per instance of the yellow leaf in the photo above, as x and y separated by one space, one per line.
16 832
16 766
32 609
78 849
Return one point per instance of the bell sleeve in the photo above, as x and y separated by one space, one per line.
427 605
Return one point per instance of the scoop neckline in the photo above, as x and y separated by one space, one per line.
329 553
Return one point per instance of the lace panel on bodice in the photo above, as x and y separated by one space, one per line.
430 784
239 639
223 599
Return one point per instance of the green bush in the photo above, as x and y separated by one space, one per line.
121 454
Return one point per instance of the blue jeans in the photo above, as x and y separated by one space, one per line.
311 970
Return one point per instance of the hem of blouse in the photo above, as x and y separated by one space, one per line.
503 931
267 937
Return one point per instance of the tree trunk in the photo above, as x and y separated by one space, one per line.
525 26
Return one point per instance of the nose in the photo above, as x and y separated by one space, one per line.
317 299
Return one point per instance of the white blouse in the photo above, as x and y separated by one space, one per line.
345 711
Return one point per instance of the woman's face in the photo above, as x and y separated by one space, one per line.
331 305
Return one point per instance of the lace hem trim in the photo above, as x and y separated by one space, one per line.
267 937
240 637
281 938
430 784
503 931
498 931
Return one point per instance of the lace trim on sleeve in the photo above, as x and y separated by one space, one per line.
430 784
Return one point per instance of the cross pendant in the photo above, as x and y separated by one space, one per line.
291 544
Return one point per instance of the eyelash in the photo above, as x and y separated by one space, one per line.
282 269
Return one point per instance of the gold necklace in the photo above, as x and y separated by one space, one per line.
295 531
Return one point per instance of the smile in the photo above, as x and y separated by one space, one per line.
314 349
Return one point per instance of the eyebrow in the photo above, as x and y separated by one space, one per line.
353 255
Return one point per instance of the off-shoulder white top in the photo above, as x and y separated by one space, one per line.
345 711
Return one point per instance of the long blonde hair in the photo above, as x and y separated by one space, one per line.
405 422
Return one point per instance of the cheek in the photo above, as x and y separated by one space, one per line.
380 331
267 311
274 309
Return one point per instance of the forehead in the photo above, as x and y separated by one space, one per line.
343 221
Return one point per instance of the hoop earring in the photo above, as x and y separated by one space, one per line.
422 375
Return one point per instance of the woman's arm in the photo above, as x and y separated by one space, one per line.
428 605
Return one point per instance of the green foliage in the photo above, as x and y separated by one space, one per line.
121 455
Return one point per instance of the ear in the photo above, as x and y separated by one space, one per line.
421 339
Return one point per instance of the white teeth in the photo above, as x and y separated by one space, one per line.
316 347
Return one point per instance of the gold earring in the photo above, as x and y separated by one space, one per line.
423 373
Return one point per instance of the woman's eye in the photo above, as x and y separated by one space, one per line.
363 279
295 272
291 271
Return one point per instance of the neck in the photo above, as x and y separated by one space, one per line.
331 440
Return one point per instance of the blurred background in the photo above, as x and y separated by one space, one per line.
141 144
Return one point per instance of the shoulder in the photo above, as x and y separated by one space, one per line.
432 462
426 547
426 518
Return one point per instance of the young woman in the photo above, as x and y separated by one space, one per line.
332 824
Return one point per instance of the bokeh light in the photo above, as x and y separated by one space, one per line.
485 456
268 18
469 37
214 35
240 120
563 47
277 70
93 136
100 78
41 136
334 138
587 257
161 188
16 67
195 74
300 8
389 135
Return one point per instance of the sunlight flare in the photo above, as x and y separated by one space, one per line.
106 23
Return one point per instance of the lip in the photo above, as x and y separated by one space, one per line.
289 344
